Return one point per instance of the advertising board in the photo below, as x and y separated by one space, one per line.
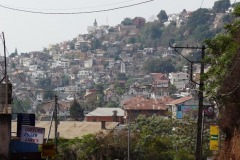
31 134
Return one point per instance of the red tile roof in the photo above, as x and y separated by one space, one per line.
158 76
180 100
141 103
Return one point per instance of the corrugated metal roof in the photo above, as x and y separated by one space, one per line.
180 100
106 112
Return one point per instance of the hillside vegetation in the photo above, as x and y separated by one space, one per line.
223 84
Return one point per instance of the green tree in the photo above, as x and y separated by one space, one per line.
112 104
172 89
127 21
122 76
118 89
65 80
151 33
162 16
76 110
48 94
132 40
20 106
158 65
14 53
44 83
72 45
220 80
221 6
96 43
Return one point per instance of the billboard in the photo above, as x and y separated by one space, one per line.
31 134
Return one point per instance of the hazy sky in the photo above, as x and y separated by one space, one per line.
32 32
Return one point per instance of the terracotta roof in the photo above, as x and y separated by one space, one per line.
180 100
141 103
158 76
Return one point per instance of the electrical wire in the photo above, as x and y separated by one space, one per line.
40 90
71 13
71 8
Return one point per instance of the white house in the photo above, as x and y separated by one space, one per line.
38 74
72 89
65 63
56 64
88 63
33 67
25 61
123 68
40 97
57 57
179 79
148 50
85 74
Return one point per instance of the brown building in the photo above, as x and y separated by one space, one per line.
139 21
106 114
144 106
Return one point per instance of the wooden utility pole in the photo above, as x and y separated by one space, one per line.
5 75
200 109
198 153
56 122
5 117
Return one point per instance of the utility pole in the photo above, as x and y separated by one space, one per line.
129 137
56 122
198 153
5 117
200 109
5 75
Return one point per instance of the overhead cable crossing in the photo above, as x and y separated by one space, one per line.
71 13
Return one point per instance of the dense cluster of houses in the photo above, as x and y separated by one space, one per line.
72 68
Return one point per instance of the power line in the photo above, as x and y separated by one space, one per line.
71 8
79 12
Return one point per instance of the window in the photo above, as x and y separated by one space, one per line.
179 108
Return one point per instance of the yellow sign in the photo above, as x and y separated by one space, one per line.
214 137
48 150
214 130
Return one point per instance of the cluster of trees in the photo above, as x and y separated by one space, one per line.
222 82
150 138
159 65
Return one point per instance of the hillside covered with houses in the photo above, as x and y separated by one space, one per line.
112 66
129 90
